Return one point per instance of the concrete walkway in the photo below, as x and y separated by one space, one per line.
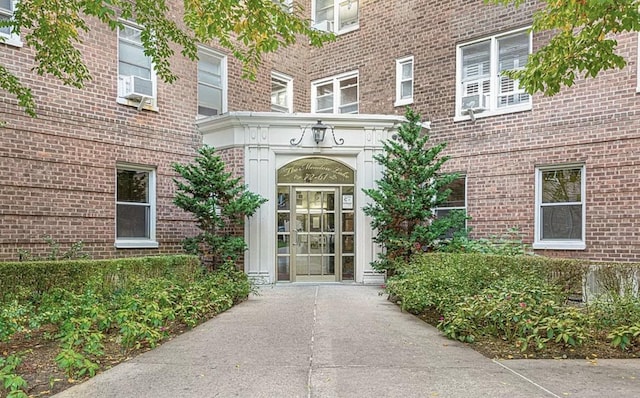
342 341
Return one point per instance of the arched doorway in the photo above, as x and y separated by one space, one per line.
315 221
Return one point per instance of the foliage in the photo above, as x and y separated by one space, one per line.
509 244
55 253
402 207
23 279
519 299
136 315
219 204
55 31
583 41
12 382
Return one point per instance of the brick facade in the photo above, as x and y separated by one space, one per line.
57 172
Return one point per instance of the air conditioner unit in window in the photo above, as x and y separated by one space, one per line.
135 88
472 104
476 102
326 26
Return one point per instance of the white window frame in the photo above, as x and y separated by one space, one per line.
10 38
223 77
399 80
286 5
131 243
335 81
149 103
559 244
330 25
490 109
288 91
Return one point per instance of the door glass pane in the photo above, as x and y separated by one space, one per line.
328 265
302 266
303 244
347 222
283 268
315 265
283 222
329 202
316 244
283 198
301 223
283 244
347 244
329 244
347 268
329 223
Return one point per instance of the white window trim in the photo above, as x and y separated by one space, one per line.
336 18
559 244
399 63
493 110
152 103
11 39
289 81
335 80
138 243
223 71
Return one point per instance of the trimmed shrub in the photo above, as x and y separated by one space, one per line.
27 278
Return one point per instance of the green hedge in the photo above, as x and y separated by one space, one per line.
41 276
569 274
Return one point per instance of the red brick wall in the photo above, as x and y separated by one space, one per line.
57 171
595 122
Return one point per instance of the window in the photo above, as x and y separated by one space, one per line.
212 84
135 207
481 88
339 16
404 81
7 7
136 77
287 5
281 93
338 94
560 208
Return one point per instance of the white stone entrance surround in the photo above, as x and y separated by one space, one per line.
265 138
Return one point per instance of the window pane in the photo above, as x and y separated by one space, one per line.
560 186
513 51
406 90
324 10
562 222
131 34
133 54
132 221
211 98
7 6
324 89
407 70
133 186
476 61
457 195
348 13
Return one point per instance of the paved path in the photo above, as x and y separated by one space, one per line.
341 341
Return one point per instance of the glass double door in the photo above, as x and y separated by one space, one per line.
308 241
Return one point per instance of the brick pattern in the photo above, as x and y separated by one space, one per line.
595 122
57 172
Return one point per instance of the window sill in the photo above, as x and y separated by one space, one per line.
136 244
12 40
494 112
146 107
560 245
403 102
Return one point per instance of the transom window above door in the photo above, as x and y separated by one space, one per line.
482 89
339 16
338 94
